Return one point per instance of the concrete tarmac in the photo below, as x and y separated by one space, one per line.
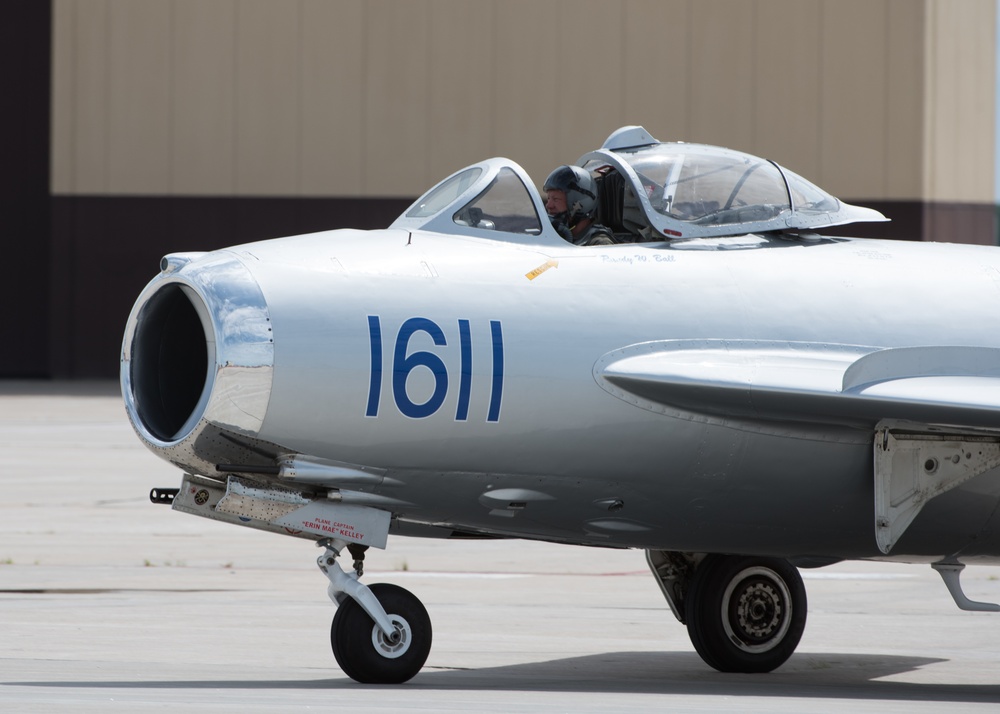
111 603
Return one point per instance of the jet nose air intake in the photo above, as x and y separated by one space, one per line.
198 353
169 363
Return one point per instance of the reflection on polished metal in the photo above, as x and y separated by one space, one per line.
204 325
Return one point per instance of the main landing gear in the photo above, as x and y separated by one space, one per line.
743 613
381 634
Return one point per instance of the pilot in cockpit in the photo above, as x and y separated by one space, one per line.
571 202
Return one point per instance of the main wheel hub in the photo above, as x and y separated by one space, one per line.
758 611
757 606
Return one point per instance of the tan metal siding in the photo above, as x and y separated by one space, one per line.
528 71
203 97
787 87
853 83
332 120
721 88
877 99
657 67
905 99
959 140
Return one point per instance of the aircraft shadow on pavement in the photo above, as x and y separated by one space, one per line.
822 675
809 675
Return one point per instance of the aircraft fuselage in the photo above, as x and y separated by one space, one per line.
469 374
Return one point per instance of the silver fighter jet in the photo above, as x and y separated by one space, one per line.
725 389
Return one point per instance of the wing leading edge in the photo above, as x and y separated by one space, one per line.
809 382
934 411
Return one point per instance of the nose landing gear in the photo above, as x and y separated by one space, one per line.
368 655
381 634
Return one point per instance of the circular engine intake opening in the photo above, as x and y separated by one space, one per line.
170 363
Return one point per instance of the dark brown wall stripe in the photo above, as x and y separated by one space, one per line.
106 248
25 50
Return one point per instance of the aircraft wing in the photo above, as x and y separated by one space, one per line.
805 381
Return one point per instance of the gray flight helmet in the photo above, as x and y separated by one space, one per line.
580 190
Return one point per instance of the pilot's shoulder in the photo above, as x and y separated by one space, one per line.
599 235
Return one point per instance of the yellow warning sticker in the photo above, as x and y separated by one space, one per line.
541 269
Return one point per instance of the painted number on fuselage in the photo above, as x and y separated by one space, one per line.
403 364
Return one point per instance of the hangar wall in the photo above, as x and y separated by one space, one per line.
874 99
24 186
194 124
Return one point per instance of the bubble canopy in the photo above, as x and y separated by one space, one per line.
648 191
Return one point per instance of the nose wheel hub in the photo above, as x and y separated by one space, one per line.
396 644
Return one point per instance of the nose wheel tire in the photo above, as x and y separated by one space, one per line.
745 614
366 654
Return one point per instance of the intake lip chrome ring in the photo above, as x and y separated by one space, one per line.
198 350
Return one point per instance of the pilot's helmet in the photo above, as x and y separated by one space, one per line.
581 193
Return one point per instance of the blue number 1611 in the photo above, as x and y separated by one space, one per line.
403 364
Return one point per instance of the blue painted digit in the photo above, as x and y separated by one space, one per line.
465 382
402 365
496 395
375 383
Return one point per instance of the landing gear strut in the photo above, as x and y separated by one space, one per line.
380 635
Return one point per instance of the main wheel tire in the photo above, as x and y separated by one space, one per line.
745 614
365 654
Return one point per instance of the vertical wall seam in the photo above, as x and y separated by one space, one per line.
106 101
363 129
74 25
754 137
930 91
886 114
299 98
171 188
428 112
820 81
622 24
494 63
689 61
235 151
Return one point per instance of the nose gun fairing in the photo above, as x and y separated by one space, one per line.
197 361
